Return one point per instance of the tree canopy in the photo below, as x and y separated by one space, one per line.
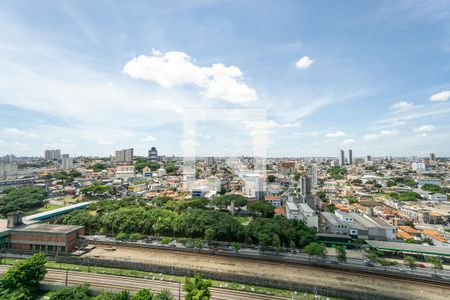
197 288
260 208
225 200
23 198
22 279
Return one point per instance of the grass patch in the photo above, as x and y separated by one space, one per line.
241 220
174 278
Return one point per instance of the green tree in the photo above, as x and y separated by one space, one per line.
163 295
236 246
121 236
371 255
24 275
271 178
82 217
80 292
436 262
391 183
134 237
97 167
292 247
143 294
276 243
166 240
23 198
198 243
197 288
315 250
261 208
210 233
264 241
410 262
224 201
341 254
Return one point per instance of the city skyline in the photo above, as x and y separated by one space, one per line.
91 78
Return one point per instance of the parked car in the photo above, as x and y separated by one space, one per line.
368 263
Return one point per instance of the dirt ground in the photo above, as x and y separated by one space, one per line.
293 273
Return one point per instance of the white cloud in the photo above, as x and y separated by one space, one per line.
304 63
335 134
14 132
440 97
175 68
380 134
268 125
402 105
348 142
148 139
423 130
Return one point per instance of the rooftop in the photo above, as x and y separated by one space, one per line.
48 228
56 212
410 248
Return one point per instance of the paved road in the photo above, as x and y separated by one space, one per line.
113 282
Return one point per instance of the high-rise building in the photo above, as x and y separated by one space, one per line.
350 157
153 155
432 157
341 157
52 154
209 161
305 186
418 166
313 175
66 162
124 156
367 158
9 158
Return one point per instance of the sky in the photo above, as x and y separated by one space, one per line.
297 78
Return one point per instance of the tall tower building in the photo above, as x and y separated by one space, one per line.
153 155
350 157
305 186
313 175
52 154
66 162
432 157
125 155
341 157
367 159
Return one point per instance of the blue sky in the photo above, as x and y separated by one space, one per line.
90 77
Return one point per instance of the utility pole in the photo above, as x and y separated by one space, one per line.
67 275
179 290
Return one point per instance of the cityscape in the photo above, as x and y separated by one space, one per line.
137 162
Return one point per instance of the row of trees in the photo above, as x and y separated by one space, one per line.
82 292
190 219
24 198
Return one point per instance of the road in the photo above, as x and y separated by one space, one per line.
117 283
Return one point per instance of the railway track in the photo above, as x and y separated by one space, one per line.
115 282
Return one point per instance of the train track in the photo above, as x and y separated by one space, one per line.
117 283
308 266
